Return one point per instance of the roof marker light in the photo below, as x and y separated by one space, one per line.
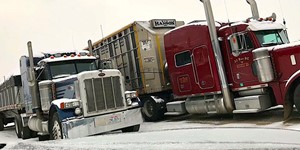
260 19
65 56
72 55
52 57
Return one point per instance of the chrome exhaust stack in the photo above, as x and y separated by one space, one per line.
90 46
227 97
33 86
254 9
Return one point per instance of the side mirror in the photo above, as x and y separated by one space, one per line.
237 43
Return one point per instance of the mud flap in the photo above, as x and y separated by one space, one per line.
287 107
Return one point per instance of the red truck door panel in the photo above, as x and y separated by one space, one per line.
202 68
241 59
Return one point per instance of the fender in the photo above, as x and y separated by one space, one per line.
157 99
291 80
62 113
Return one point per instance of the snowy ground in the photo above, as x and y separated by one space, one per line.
244 131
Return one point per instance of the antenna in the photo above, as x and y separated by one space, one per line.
281 12
101 31
226 11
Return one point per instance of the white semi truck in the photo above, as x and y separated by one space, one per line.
63 95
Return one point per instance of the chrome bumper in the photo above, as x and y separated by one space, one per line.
99 124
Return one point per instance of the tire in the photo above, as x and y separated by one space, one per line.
1 123
25 133
135 128
55 128
152 111
296 96
44 137
18 126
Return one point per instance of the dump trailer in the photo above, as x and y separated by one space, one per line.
10 101
137 50
64 95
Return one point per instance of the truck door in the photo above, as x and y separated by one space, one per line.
241 59
202 68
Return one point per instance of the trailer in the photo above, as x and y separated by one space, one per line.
137 50
10 101
207 67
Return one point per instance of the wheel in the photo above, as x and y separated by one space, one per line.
18 126
296 96
131 129
1 123
25 133
55 128
152 111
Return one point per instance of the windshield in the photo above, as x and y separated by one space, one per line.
62 69
271 37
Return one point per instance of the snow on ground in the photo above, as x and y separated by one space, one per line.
258 131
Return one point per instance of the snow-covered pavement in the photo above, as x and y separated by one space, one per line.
255 131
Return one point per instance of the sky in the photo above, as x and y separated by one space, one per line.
56 25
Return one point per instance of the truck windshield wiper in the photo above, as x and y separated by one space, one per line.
271 44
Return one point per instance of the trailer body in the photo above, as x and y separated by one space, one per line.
11 102
137 50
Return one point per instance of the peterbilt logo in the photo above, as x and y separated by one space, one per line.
164 23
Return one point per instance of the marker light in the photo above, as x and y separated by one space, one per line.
66 105
51 57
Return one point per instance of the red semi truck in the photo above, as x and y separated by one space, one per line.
206 67
236 67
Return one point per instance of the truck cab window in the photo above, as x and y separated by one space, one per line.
271 37
240 42
63 69
86 66
183 58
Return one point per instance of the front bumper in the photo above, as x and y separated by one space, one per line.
103 123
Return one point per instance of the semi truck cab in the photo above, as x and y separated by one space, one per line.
67 97
236 67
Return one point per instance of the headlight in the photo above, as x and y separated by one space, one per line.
129 102
78 111
131 94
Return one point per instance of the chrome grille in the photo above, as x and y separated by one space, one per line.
103 93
